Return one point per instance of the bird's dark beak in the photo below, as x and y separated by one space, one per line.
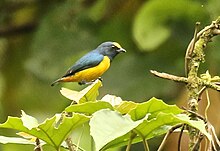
121 50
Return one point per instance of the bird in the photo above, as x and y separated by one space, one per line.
92 65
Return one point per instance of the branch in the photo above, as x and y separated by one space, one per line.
190 48
195 85
169 77
194 58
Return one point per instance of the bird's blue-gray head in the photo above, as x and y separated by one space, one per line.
110 49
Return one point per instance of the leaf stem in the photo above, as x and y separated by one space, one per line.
146 147
132 136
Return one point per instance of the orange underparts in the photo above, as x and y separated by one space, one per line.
89 74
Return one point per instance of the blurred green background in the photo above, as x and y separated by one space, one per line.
41 39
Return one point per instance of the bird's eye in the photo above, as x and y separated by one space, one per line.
114 47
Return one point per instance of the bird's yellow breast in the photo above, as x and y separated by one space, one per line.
90 74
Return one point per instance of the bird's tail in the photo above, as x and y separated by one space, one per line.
55 82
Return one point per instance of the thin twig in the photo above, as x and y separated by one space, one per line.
191 48
210 85
197 144
180 137
196 114
213 25
201 92
167 135
208 104
214 135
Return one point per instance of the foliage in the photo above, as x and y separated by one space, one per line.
111 124
145 24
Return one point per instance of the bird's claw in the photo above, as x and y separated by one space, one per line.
86 83
100 78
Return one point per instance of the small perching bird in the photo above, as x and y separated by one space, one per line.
92 65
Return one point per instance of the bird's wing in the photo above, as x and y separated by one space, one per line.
89 60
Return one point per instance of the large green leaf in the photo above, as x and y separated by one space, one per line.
153 106
88 107
155 127
164 121
149 119
107 125
47 131
152 24
88 94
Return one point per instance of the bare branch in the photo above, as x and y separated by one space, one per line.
169 76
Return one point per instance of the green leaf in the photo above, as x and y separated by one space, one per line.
125 106
112 99
152 23
47 131
107 125
156 127
153 106
163 123
89 94
15 140
88 107
29 121
200 125
119 105
147 129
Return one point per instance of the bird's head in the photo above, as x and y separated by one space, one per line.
110 49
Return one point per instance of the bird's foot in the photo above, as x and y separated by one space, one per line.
85 83
100 78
